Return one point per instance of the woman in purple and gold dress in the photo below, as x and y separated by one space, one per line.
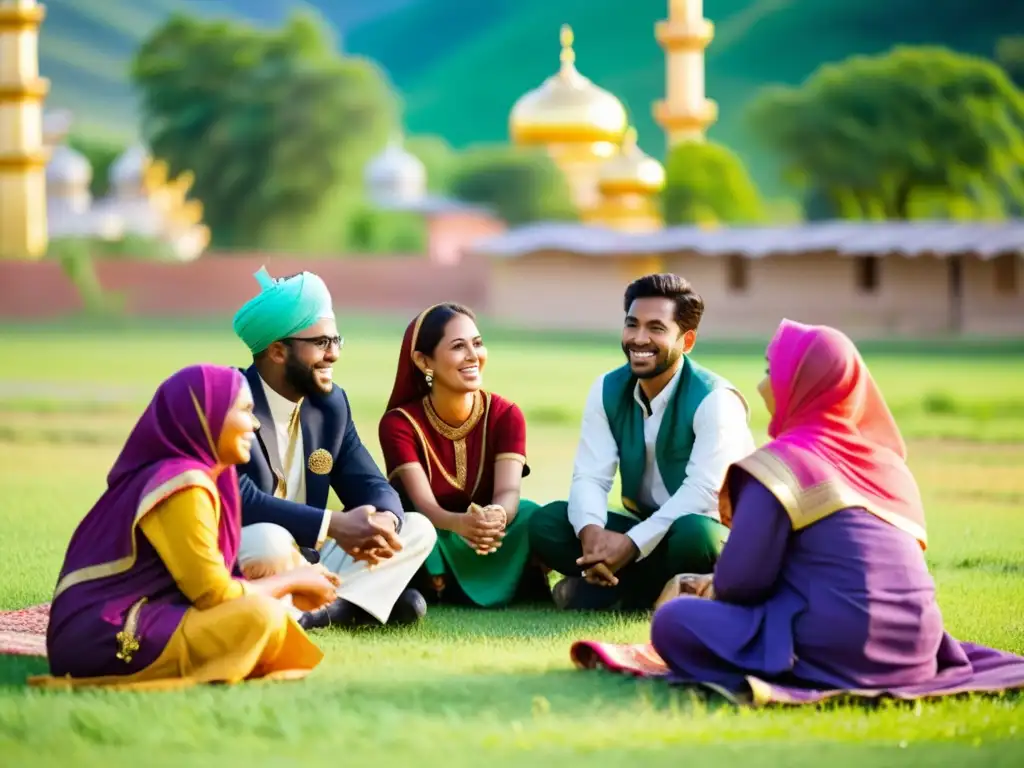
822 588
149 594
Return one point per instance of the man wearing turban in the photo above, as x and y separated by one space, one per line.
307 445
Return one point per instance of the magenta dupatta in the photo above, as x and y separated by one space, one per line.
834 442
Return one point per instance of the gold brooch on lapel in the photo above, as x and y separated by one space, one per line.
320 462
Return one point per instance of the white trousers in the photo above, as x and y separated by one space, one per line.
375 589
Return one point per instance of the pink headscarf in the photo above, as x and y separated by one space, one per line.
835 443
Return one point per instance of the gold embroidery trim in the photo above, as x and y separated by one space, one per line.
483 444
428 452
416 330
402 467
510 457
189 479
458 481
455 434
204 424
128 638
806 507
294 430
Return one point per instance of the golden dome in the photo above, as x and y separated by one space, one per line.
567 108
631 171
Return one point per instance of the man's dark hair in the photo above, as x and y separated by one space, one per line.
433 325
689 304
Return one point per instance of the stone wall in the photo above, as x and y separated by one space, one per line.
216 285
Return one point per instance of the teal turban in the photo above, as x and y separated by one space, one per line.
282 308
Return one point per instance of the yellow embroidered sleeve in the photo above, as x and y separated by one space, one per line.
183 531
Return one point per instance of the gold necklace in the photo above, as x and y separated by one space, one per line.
457 435
445 429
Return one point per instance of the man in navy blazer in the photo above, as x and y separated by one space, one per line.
307 444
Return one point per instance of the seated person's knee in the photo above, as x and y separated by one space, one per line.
267 549
265 612
669 626
418 528
548 521
702 531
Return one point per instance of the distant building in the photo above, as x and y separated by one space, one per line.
873 280
585 129
396 180
142 201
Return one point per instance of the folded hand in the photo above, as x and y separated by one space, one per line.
604 554
365 533
696 584
482 531
312 587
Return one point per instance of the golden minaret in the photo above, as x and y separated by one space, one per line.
629 184
685 113
579 123
23 222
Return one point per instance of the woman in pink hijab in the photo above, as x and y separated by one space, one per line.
822 588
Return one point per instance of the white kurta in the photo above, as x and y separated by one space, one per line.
375 590
721 437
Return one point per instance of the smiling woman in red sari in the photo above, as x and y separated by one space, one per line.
457 454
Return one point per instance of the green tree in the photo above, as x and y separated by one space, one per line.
519 185
707 182
386 232
101 154
272 123
870 133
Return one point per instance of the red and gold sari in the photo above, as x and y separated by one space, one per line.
459 461
460 465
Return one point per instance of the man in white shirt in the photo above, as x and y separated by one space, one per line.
671 428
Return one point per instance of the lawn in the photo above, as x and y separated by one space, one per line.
497 687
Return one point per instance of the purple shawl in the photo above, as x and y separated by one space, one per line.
108 566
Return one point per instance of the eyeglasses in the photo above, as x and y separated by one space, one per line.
323 343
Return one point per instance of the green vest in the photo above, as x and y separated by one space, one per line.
675 436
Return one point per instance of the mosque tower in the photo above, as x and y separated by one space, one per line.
23 159
155 206
629 185
395 177
580 124
685 114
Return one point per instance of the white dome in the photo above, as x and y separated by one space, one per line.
395 176
126 171
68 168
56 126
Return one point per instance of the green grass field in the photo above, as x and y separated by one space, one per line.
467 687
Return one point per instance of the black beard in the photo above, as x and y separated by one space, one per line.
663 360
302 378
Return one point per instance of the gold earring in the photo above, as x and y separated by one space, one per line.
429 375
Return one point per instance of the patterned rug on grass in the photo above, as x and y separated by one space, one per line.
23 632
638 659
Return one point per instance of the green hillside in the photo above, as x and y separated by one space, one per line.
86 46
461 64
462 80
